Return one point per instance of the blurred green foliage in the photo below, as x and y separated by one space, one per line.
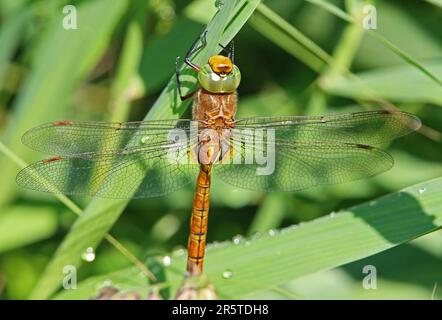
293 56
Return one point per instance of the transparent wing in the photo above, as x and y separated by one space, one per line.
124 160
75 137
299 165
136 173
371 127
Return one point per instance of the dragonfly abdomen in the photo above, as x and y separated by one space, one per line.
198 222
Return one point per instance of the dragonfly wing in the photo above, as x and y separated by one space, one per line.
370 127
301 165
135 174
74 137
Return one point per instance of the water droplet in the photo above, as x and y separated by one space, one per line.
227 274
332 214
179 252
372 203
272 232
256 235
289 229
144 140
88 255
219 3
166 261
237 239
422 190
107 283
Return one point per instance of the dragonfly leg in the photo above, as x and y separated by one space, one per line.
179 84
202 40
230 50
193 49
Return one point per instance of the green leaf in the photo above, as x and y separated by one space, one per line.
435 2
270 213
406 57
276 29
397 23
22 225
101 214
415 276
298 251
381 39
9 40
332 9
400 84
65 58
157 65
124 87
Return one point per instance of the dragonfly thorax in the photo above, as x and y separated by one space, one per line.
219 75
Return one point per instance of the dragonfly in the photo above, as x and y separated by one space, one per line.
153 158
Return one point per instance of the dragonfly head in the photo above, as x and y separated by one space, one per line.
219 75
220 65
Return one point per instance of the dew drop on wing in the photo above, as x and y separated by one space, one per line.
144 140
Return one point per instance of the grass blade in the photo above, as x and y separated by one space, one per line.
22 225
298 251
38 95
398 84
381 39
9 40
124 88
276 29
407 58
435 2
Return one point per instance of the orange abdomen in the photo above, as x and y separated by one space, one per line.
196 246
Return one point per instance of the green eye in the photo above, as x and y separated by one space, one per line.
216 83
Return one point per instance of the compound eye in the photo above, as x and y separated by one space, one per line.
220 64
